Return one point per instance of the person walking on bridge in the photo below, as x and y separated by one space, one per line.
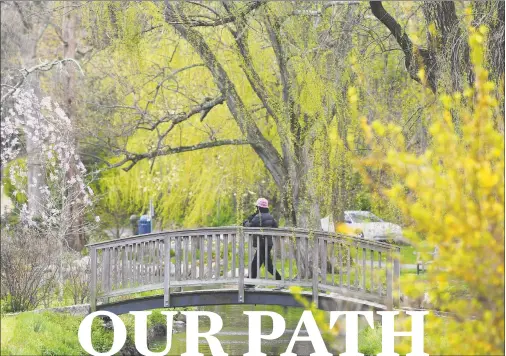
262 218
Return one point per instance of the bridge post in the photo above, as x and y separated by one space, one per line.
166 276
315 268
396 295
390 281
93 279
241 265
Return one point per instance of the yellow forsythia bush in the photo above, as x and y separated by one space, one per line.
453 197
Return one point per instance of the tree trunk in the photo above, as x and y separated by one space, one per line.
491 14
264 148
75 236
415 57
35 169
449 52
305 203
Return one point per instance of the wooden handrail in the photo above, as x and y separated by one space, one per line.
295 232
200 257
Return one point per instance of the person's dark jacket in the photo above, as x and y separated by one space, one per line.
263 220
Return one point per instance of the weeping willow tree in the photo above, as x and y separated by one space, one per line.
271 80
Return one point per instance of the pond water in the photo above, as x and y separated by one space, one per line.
234 334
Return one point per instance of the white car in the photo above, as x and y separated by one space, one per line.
369 226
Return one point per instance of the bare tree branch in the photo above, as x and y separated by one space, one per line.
412 53
241 38
188 21
133 158
43 67
27 25
175 119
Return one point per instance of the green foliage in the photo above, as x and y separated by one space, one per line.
369 340
6 305
10 190
452 194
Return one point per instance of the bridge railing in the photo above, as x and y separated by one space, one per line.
321 262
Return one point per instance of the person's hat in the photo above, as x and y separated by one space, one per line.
262 203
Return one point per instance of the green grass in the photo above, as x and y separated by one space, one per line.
56 334
408 255
48 334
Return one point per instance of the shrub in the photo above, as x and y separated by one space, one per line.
76 274
26 266
453 195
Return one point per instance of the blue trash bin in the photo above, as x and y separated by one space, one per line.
144 225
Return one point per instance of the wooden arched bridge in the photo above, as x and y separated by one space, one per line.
209 266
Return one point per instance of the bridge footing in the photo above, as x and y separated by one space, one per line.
328 302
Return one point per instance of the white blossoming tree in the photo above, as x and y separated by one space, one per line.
53 216
51 132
